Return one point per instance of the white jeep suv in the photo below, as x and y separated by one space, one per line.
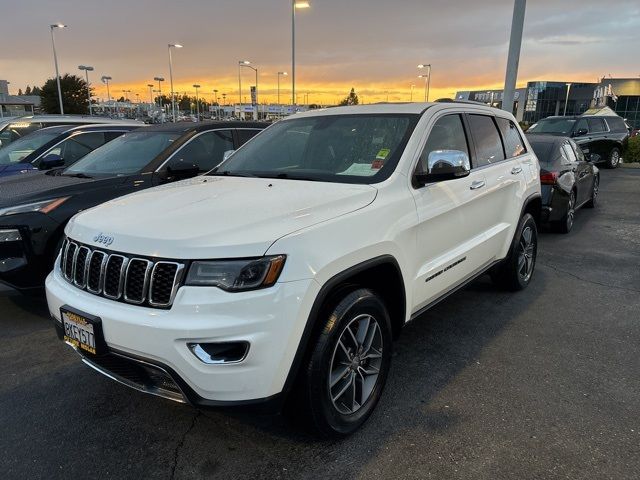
293 265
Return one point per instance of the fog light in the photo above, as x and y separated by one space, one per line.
226 352
12 235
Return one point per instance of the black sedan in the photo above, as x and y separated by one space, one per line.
568 180
59 146
35 208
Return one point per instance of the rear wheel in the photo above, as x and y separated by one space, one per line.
565 224
348 365
594 193
516 271
614 158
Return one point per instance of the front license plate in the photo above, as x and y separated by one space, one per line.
82 331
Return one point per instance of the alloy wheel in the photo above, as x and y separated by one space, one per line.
615 158
571 211
596 186
355 364
526 254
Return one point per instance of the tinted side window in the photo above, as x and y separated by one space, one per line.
596 125
581 125
245 135
206 151
513 143
578 150
616 125
74 148
487 139
446 134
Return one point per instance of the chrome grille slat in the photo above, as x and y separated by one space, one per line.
120 277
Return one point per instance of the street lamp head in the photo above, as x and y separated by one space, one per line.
424 65
105 78
159 79
283 73
175 45
196 86
423 76
244 62
58 25
150 85
301 4
85 67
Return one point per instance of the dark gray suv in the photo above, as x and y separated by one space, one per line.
601 138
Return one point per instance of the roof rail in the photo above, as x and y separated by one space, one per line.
471 102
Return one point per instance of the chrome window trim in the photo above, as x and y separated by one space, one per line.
176 282
145 284
191 140
125 262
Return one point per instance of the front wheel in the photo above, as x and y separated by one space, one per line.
516 271
349 363
594 193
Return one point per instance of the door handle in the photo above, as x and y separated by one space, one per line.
516 170
477 184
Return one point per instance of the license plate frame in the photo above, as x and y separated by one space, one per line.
83 331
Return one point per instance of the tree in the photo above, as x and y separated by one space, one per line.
28 90
19 91
74 95
36 91
351 99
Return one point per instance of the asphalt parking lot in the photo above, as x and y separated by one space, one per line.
539 384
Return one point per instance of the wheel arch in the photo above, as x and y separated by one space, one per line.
366 274
533 205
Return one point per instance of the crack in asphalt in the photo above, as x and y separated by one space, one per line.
176 453
587 280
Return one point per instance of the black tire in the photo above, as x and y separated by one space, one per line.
327 412
594 193
509 274
614 158
565 224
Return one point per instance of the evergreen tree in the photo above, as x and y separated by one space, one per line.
351 99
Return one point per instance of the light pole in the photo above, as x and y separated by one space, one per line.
105 79
86 72
279 75
150 85
160 79
196 86
567 99
215 99
247 64
513 57
295 4
55 61
427 84
173 100
411 96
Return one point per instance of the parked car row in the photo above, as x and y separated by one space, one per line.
279 271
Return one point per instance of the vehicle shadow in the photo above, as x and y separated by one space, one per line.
431 352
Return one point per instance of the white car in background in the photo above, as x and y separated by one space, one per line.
291 267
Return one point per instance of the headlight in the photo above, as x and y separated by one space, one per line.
44 206
236 275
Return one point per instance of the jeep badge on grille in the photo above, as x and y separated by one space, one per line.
106 240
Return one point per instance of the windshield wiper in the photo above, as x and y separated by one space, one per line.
229 173
288 176
76 175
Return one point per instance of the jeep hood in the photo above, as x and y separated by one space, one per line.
215 217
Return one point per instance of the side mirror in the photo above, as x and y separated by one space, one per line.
227 154
182 170
51 161
580 132
445 165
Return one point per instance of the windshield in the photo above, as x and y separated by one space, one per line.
19 149
553 125
15 130
126 155
331 148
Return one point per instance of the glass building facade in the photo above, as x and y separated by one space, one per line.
545 99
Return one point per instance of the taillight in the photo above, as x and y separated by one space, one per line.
548 178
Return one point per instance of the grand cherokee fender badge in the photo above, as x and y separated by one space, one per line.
106 240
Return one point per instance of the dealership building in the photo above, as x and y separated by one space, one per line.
541 99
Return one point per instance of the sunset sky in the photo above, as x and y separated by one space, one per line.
371 45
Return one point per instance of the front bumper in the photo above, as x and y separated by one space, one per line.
25 256
271 320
